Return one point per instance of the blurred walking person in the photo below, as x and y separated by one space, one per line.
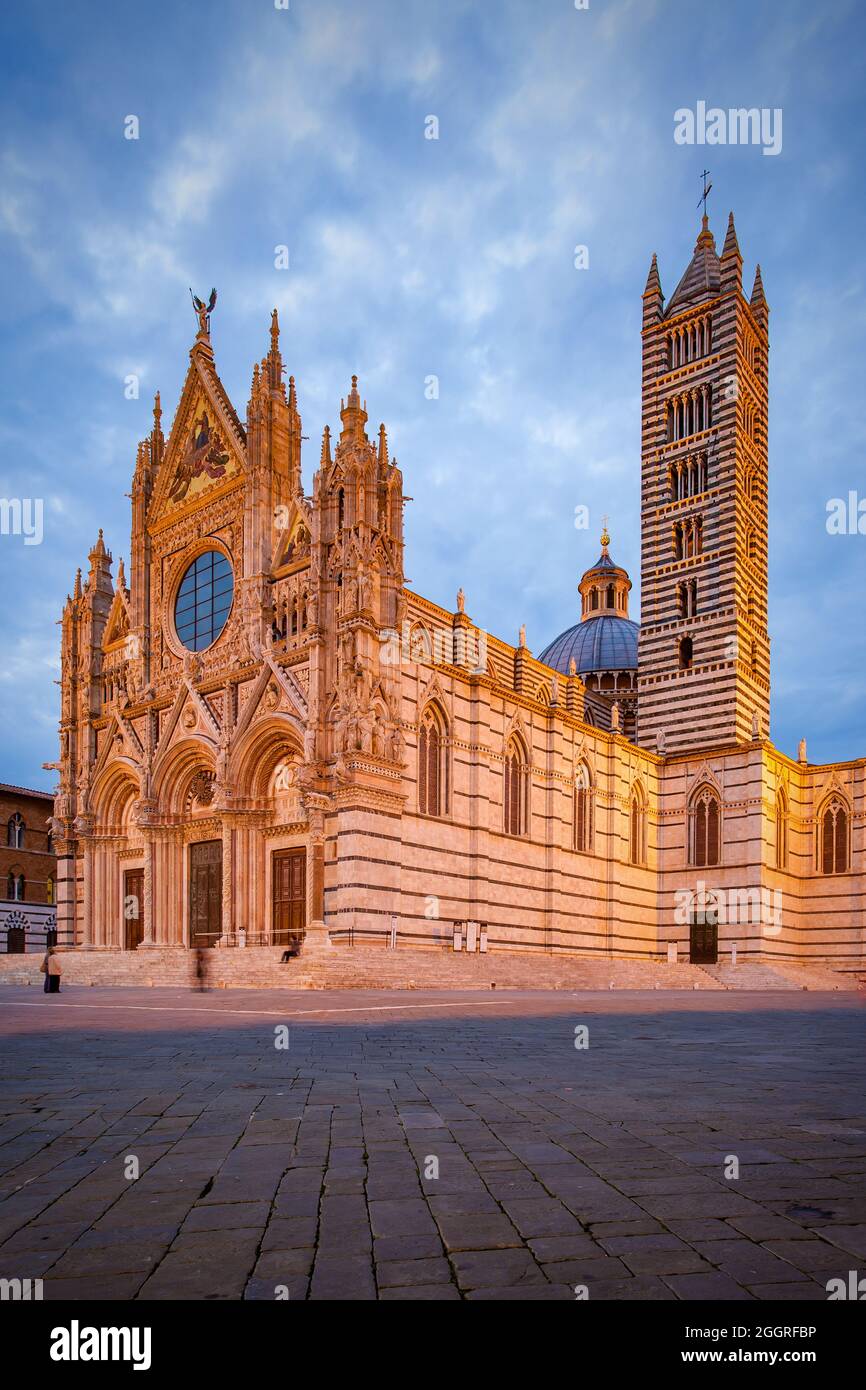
200 970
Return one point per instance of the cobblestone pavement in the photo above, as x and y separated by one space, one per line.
307 1172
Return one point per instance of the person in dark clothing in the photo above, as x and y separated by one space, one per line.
52 970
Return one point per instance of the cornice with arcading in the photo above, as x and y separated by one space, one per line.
185 518
295 827
693 368
358 796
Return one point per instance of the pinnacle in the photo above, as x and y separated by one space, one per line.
731 246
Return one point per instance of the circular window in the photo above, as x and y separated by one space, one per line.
204 600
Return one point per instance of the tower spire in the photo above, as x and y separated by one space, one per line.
274 358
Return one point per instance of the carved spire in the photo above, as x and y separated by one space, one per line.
76 592
383 449
99 555
121 574
325 459
157 440
353 416
273 364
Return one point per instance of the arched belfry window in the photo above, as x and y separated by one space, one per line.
583 810
781 829
516 789
833 838
433 788
705 827
15 831
637 826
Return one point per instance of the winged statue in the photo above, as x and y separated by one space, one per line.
204 310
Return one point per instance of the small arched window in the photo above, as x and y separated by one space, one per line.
833 838
637 826
15 887
686 653
433 786
49 892
515 798
15 831
705 819
781 829
583 810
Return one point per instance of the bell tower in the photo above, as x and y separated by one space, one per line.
704 649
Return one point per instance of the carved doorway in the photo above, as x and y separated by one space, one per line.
205 893
289 884
133 909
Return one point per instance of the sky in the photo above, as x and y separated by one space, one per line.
410 258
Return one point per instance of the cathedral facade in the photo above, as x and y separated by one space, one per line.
267 739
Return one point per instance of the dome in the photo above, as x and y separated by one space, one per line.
604 643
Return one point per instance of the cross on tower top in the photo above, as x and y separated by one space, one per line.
705 173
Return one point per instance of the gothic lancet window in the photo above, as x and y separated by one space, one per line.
637 826
433 786
781 829
583 810
705 819
15 831
833 838
516 789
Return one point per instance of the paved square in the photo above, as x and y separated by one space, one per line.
431 1146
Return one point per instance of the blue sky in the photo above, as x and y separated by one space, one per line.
412 257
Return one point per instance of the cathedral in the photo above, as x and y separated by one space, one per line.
267 739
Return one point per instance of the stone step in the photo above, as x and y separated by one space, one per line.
369 967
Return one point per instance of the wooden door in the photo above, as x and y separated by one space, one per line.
289 881
704 938
133 908
15 943
205 893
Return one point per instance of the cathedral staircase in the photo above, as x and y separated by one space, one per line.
374 968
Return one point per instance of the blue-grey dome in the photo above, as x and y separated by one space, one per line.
604 643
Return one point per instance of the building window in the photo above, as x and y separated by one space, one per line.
781 830
583 810
15 831
637 827
432 765
204 600
833 839
705 819
49 892
686 651
15 887
516 789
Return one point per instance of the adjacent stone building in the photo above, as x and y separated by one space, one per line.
28 870
267 737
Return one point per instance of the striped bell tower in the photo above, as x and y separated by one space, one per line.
704 650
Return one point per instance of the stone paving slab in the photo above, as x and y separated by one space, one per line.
155 1144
